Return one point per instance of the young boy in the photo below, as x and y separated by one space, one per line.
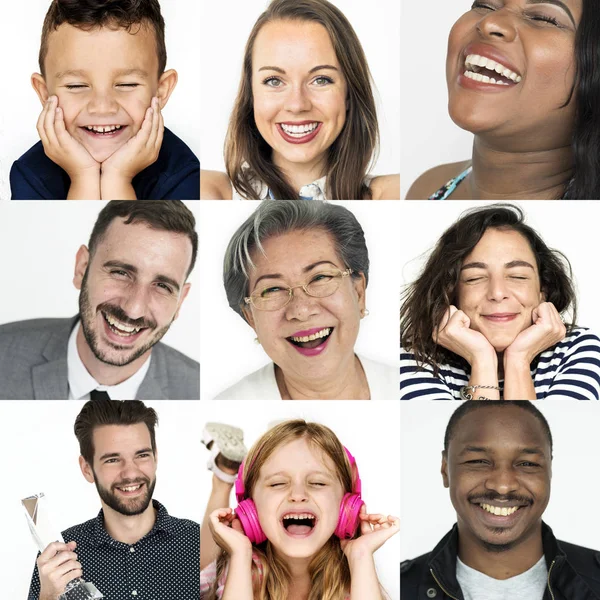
103 85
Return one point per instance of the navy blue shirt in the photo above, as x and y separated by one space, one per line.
175 175
163 565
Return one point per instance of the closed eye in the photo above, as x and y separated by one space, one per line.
129 85
75 86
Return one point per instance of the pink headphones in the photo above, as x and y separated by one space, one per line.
347 521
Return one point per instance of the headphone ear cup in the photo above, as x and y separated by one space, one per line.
348 520
248 516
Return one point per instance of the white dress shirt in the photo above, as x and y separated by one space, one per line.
81 383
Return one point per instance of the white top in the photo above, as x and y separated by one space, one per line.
311 191
383 383
81 383
478 586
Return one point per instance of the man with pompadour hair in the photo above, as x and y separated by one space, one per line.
133 548
132 278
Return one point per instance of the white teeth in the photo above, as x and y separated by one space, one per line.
103 129
121 327
314 336
474 62
483 78
299 130
500 512
132 488
299 516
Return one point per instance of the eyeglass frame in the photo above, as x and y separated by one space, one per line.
346 273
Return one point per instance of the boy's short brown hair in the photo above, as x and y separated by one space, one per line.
90 14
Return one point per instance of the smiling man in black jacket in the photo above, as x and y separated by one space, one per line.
497 464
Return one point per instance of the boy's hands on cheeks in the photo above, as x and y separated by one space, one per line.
62 148
375 530
228 533
547 330
138 153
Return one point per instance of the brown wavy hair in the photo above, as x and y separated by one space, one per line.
329 570
247 154
425 300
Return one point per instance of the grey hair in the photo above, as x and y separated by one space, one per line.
273 218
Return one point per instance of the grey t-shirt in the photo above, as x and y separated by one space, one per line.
477 586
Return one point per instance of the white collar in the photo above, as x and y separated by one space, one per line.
81 383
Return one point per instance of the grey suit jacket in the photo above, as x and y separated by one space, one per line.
33 365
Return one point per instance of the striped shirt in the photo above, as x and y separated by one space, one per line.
568 370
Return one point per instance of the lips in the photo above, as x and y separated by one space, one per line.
498 514
311 342
103 132
131 489
299 524
300 132
119 332
485 68
500 317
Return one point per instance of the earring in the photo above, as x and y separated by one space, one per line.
257 341
365 312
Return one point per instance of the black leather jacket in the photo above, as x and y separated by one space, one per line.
573 571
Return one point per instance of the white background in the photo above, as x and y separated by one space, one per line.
38 243
20 33
429 137
227 348
224 30
40 453
574 232
370 435
427 513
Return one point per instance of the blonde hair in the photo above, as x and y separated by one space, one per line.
328 569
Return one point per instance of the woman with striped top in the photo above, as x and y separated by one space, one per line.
498 320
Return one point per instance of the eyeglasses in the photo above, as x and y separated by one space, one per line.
320 285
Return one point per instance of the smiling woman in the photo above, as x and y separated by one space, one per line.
521 77
304 124
297 273
493 323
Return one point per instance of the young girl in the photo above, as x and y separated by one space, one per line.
312 538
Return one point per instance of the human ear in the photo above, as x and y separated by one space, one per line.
81 263
41 89
166 85
248 316
445 471
184 292
86 469
360 287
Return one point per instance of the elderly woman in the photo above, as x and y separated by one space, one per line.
297 273
488 318
523 78
304 124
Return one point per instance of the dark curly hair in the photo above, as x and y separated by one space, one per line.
425 301
89 14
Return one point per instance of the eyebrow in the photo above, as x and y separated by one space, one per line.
485 450
285 473
118 454
556 3
82 73
305 270
317 68
133 269
509 265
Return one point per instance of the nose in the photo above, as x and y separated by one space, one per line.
298 99
502 480
129 470
497 289
298 492
498 24
135 302
102 103
302 306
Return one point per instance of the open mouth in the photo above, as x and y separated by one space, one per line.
485 70
299 133
121 331
500 514
104 131
299 524
130 490
312 341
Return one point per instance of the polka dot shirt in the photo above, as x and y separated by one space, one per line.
163 565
